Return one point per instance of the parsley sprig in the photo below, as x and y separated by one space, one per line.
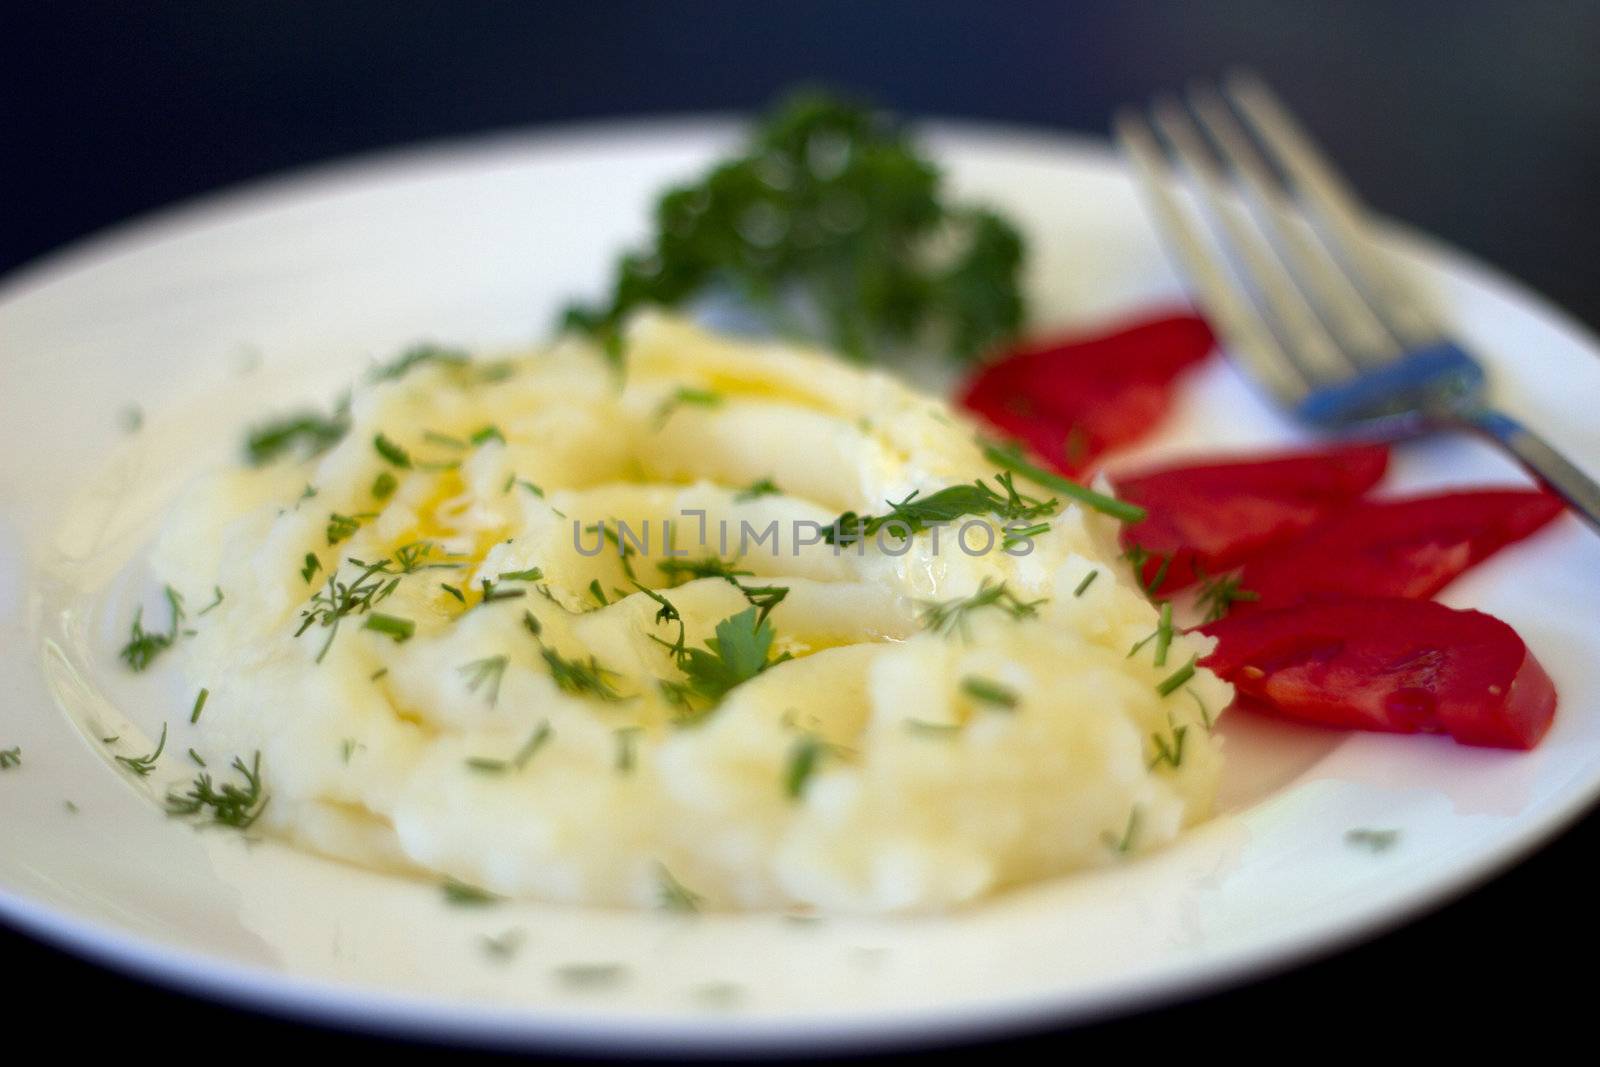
829 207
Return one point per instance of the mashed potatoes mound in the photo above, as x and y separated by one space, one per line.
538 735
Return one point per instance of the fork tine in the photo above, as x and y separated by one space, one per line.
1351 320
1303 336
1246 333
1329 196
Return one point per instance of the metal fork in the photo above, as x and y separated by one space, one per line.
1295 283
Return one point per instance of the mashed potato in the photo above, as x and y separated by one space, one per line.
434 634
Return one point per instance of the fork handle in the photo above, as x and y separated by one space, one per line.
1541 460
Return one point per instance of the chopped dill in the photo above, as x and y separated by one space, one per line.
580 677
393 626
681 396
10 757
308 432
235 806
916 513
987 691
537 740
338 600
1218 595
1177 678
1011 458
627 741
143 765
486 434
1372 840
485 674
215 602
532 574
415 356
465 895
199 705
756 489
947 617
805 755
384 485
1124 844
1169 747
1088 580
674 895
143 646
312 566
392 453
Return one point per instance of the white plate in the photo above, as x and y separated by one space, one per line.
218 312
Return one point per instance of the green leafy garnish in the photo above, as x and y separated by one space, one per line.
737 654
536 741
10 757
674 895
1168 747
1177 679
308 432
143 765
1088 580
917 513
391 452
338 600
199 705
830 208
685 395
763 487
946 617
465 895
416 356
485 674
1218 595
987 691
804 757
143 646
384 485
391 625
235 806
1372 840
1012 459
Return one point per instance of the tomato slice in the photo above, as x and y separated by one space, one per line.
1410 547
1391 664
1210 517
1070 399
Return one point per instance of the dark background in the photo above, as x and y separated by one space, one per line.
1475 120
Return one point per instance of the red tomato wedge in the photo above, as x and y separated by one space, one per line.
1071 399
1410 547
1390 664
1209 517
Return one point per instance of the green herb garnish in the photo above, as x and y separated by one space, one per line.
1012 459
1177 678
1218 595
143 646
737 654
485 674
10 757
917 513
235 806
309 432
199 705
674 895
763 487
464 895
391 452
953 616
991 692
143 765
830 203
390 625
